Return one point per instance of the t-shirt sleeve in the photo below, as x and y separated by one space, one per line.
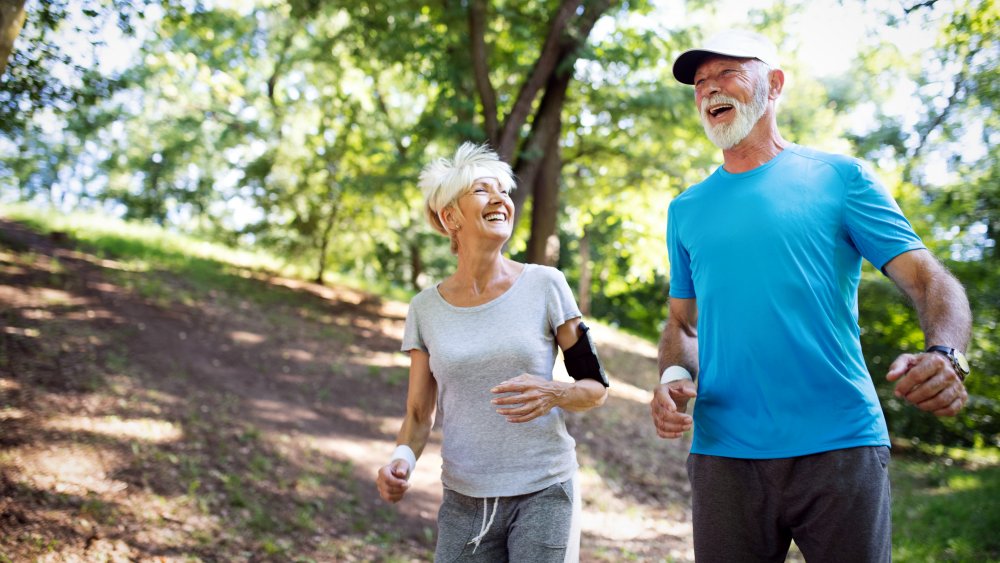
560 304
412 340
874 221
681 285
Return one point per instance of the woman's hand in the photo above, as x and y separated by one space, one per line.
531 397
391 480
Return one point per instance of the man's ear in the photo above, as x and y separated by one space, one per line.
776 82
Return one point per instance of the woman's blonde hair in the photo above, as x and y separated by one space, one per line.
444 181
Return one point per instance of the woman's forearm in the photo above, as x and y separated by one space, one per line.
582 395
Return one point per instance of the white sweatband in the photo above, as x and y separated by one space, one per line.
673 373
482 172
404 452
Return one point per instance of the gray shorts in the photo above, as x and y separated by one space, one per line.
533 527
835 505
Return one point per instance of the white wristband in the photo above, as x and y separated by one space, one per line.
404 452
673 373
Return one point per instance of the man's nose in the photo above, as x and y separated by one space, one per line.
713 87
709 86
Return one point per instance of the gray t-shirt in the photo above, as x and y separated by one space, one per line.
471 350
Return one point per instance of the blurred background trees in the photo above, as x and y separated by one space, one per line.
299 126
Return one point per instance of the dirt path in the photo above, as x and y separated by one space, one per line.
171 415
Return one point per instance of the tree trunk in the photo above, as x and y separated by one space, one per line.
586 274
11 20
544 136
505 142
324 242
272 82
543 244
547 63
481 69
416 263
547 120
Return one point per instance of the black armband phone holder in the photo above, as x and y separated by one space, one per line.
582 361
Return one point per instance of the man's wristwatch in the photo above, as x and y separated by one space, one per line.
957 359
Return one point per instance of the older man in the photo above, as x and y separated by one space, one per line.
765 257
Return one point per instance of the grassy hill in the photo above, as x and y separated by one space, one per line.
166 399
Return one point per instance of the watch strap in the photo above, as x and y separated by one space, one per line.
949 353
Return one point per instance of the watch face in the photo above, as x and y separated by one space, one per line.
963 363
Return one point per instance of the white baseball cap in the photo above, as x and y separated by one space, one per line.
738 43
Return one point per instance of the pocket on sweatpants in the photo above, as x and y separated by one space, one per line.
547 516
882 453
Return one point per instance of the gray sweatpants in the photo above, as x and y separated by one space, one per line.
835 505
534 527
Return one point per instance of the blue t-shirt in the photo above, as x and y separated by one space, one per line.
773 257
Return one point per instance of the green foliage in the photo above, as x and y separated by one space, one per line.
889 327
944 507
954 211
299 127
44 73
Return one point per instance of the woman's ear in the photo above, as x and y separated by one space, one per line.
451 222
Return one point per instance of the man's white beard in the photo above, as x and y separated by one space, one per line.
728 135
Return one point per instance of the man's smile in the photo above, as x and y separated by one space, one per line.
719 109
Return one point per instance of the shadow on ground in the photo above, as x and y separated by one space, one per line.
212 412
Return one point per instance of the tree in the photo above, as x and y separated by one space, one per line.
538 163
944 171
478 47
11 20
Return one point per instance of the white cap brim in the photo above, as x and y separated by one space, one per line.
736 43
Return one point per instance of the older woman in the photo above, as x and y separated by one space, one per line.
482 345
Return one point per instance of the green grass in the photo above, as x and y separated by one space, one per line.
145 247
163 266
139 244
945 506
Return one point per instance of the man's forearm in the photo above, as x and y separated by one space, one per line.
937 296
678 347
943 310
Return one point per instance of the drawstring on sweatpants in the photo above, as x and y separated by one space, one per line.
485 527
